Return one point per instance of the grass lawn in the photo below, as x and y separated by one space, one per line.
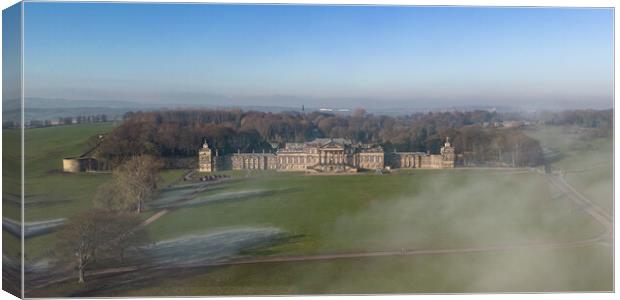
586 268
588 162
418 209
11 173
529 270
58 194
52 194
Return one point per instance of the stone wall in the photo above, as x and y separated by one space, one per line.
253 161
419 160
295 161
407 160
370 160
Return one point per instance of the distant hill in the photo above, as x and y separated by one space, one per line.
54 108
42 103
51 109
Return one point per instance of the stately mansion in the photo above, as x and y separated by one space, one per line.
335 155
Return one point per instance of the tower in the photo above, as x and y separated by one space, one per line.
205 159
447 155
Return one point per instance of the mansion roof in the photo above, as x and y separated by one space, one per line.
324 142
318 143
330 143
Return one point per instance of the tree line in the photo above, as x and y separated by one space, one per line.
179 133
597 123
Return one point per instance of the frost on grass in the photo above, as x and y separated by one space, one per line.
31 229
225 196
209 248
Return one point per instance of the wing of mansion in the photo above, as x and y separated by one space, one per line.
335 155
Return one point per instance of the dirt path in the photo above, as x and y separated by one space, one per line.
597 209
405 252
163 211
154 217
601 216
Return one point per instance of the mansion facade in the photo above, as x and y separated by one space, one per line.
332 155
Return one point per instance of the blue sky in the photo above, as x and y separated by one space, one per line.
369 56
11 59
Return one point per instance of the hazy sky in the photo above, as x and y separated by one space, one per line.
372 56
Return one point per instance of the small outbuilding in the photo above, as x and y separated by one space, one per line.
79 164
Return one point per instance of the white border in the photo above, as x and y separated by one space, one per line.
538 3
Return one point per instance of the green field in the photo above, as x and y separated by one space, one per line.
536 270
11 173
416 209
11 189
588 163
378 212
50 193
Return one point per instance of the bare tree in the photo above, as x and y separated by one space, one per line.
97 233
136 180
132 235
108 197
83 237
